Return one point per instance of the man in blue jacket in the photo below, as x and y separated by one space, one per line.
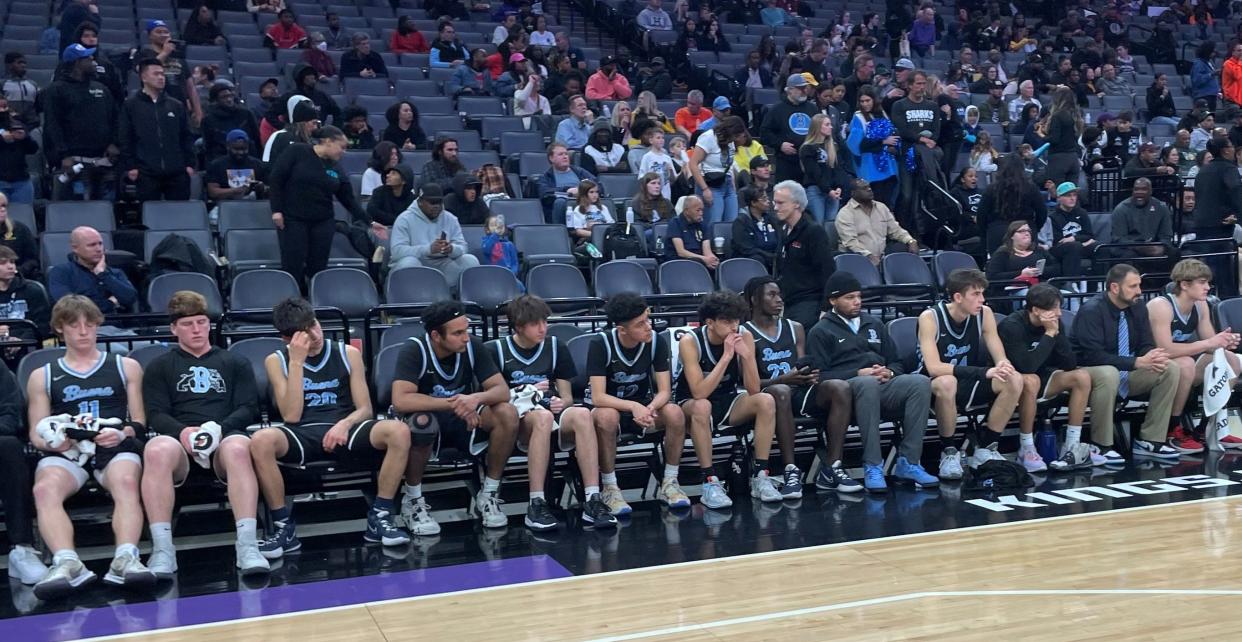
86 272
558 186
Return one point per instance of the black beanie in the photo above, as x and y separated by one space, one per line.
305 111
841 283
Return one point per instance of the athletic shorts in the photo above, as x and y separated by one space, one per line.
306 446
194 470
628 427
722 406
802 401
130 449
974 391
451 432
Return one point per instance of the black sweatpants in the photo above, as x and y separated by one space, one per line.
171 187
15 491
1070 255
1063 167
304 248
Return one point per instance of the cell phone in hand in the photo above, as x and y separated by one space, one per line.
1039 265
444 237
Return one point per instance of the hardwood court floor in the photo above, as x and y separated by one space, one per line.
1168 572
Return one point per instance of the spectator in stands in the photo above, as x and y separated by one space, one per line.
75 13
1218 193
710 163
335 35
1011 196
602 154
688 118
513 76
687 236
1113 330
650 205
1142 219
15 146
1018 258
559 183
577 59
528 100
444 164
755 233
306 83
607 83
403 128
223 116
753 75
654 17
1111 84
1160 107
1231 75
19 238
357 129
285 33
316 55
451 8
774 15
157 149
201 28
1073 237
19 89
427 235
993 108
497 62
80 130
804 260
360 61
1204 81
785 126
466 200
1147 163
867 227
761 175
304 180
470 77
721 109
1063 126
873 142
572 88
656 79
21 299
407 38
584 213
236 174
265 6
395 196
303 119
574 131
507 25
923 33
86 272
824 170
161 45
269 95
385 156
1026 96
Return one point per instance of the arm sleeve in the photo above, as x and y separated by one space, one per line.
812 171
245 399
434 60
410 366
53 138
186 138
125 140
895 231
621 87
402 244
1063 355
662 360
457 239
155 394
818 348
999 269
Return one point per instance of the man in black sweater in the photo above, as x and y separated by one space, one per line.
849 345
15 484
157 148
201 399
1218 192
1112 330
785 127
804 255
1039 349
79 129
1072 233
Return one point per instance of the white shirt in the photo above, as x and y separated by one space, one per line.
371 179
712 161
660 164
543 38
576 220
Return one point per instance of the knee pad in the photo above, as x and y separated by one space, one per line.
424 428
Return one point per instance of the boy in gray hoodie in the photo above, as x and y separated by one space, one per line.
425 234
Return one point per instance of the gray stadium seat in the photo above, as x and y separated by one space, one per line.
261 289
162 287
349 290
416 286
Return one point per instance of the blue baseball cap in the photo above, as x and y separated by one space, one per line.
721 103
152 25
76 52
235 135
1066 188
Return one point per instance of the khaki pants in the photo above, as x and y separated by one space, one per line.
1105 380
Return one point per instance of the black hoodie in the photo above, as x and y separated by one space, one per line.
786 122
155 135
25 300
839 353
22 241
220 120
1074 223
384 207
80 119
467 213
327 107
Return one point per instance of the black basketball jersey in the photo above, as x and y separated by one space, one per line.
548 361
326 395
1185 329
958 345
459 374
99 391
777 355
709 356
627 373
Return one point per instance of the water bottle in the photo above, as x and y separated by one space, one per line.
1046 443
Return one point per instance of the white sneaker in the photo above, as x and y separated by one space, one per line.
950 463
1154 450
62 578
984 455
761 488
128 571
1031 461
250 561
163 562
671 494
1110 458
611 495
1073 457
416 517
25 565
487 506
714 495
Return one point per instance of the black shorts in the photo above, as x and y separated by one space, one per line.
306 446
974 391
802 401
628 426
722 406
451 432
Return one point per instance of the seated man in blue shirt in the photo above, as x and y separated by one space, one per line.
686 237
559 185
86 272
575 130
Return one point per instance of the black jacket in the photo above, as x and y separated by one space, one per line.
10 405
232 400
1034 209
804 261
22 241
1095 333
352 64
748 238
81 120
37 307
776 129
1218 193
219 121
1062 135
155 135
1004 266
1160 104
384 207
13 155
817 173
303 186
838 353
1031 350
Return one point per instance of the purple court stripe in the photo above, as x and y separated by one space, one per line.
222 607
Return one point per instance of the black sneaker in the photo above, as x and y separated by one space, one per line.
596 513
539 517
282 541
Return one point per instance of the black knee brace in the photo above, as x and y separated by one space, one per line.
424 428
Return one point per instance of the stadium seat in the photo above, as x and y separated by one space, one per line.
33 361
162 288
244 215
255 351
1229 311
519 211
384 372
615 277
344 255
488 286
200 237
565 331
251 250
54 247
579 347
24 213
474 160
906 269
416 286
552 281
63 216
734 273
683 276
476 107
619 185
146 354
261 289
945 262
401 332
511 142
174 215
904 332
493 128
349 290
467 141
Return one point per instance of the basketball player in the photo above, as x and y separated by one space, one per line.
956 338
187 389
108 387
1042 353
630 390
448 386
530 357
719 385
795 387
320 388
1182 325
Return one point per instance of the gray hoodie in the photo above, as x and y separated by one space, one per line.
413 233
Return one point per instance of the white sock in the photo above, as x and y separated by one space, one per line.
608 479
670 471
591 490
491 485
414 491
126 548
65 554
161 535
790 467
247 531
536 494
1073 434
1027 440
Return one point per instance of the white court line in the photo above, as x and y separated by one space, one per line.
647 569
779 615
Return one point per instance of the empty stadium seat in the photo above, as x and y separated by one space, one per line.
519 211
146 354
488 286
945 262
63 216
174 215
251 250
255 351
401 332
161 289
416 286
349 290
733 274
261 289
683 276
615 277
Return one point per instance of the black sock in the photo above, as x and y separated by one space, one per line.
947 442
282 514
707 473
987 437
758 466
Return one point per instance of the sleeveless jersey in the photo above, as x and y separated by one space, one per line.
521 369
777 355
99 391
326 396
454 376
709 355
1185 329
627 377
958 345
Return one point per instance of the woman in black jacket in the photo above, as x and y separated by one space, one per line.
303 181
1011 196
1018 257
403 129
201 28
755 228
823 170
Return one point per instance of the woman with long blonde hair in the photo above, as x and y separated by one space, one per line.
823 170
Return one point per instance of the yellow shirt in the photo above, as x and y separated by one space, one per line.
741 160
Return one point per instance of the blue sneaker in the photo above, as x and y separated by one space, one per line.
283 540
873 479
914 473
382 530
835 478
791 487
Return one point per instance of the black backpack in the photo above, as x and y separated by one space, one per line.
623 241
998 474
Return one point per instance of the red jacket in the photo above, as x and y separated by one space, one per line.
412 43
286 38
